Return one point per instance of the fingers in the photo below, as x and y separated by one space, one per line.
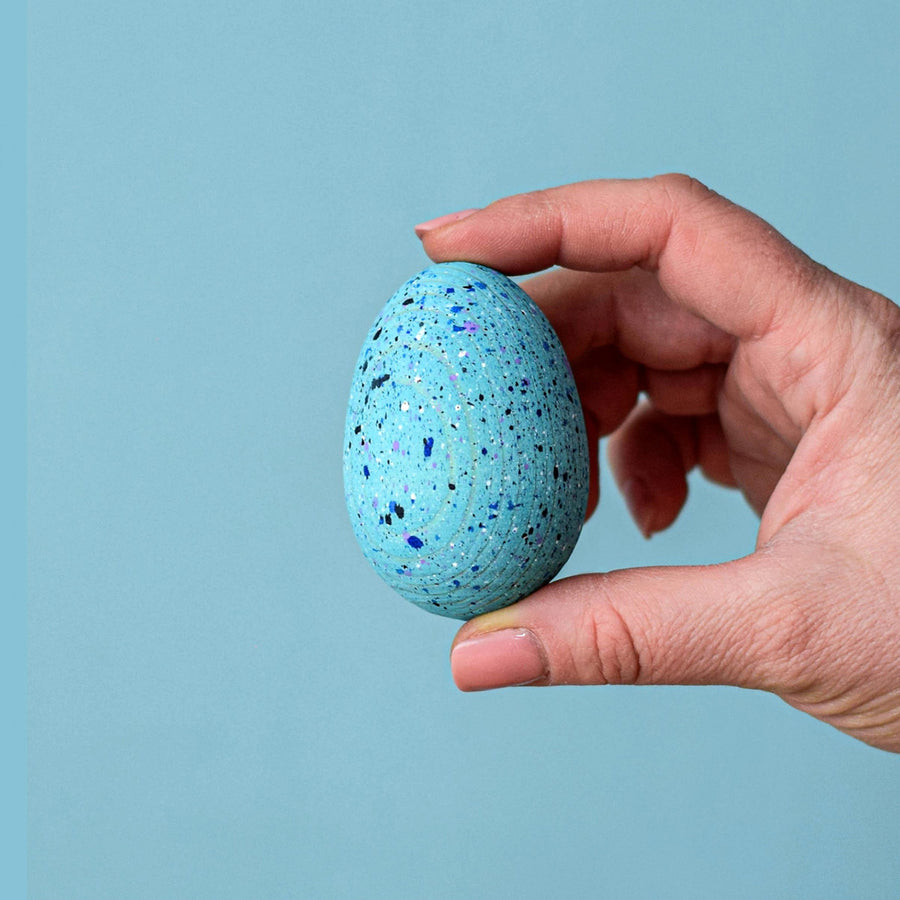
609 323
710 256
630 311
724 624
651 454
694 392
650 461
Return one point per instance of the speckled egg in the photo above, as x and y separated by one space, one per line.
465 454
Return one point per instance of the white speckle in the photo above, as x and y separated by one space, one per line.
404 405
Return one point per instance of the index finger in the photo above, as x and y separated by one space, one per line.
712 257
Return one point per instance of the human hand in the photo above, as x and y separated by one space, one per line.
767 371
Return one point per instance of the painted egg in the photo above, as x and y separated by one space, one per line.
465 454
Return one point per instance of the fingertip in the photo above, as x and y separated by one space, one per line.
424 228
649 463
637 498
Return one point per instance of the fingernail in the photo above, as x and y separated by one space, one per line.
424 227
637 499
506 658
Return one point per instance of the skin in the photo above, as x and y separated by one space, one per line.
699 336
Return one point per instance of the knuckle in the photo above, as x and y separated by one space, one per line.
679 187
538 213
609 651
679 197
536 205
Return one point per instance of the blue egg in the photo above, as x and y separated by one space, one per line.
465 453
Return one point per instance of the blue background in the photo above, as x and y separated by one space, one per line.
13 545
224 701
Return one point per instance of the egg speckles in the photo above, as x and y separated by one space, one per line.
465 455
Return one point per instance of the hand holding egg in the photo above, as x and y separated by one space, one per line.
762 368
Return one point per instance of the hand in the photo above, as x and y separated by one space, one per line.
767 371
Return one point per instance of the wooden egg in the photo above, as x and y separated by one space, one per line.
465 454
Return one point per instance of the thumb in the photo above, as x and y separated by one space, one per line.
722 624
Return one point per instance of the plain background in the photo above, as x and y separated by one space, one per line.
13 547
224 700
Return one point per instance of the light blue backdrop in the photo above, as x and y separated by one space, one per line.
224 700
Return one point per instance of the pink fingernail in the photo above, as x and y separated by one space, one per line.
440 221
506 658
